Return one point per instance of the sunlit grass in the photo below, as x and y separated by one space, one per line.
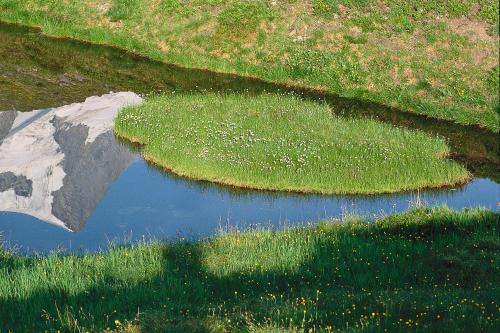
278 142
431 57
425 270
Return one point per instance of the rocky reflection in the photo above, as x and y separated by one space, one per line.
57 164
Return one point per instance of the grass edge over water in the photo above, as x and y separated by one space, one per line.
280 143
394 37
426 269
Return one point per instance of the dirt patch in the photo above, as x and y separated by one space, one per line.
410 76
484 52
484 57
431 52
394 73
102 7
298 26
473 29
330 41
393 43
474 9
163 46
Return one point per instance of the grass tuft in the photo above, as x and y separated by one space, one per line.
244 17
278 142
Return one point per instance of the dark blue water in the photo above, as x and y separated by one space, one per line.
146 203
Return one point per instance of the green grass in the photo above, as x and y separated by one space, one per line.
425 270
373 50
279 142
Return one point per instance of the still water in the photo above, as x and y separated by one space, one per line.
144 202
81 189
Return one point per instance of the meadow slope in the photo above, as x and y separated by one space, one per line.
437 58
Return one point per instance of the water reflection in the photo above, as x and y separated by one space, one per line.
38 72
57 164
65 167
144 203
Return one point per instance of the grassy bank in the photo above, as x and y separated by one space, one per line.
438 58
278 142
425 270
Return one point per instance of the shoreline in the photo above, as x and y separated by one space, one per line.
292 86
331 267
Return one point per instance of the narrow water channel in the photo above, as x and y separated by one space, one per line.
82 189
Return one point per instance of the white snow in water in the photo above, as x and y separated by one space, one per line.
33 152
97 113
30 150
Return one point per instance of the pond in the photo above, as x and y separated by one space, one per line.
67 183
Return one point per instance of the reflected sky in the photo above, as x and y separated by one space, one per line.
146 203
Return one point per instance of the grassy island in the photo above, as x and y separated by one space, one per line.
437 58
424 270
277 142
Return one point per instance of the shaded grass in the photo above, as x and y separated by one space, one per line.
279 142
424 270
373 50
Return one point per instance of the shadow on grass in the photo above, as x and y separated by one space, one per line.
344 278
